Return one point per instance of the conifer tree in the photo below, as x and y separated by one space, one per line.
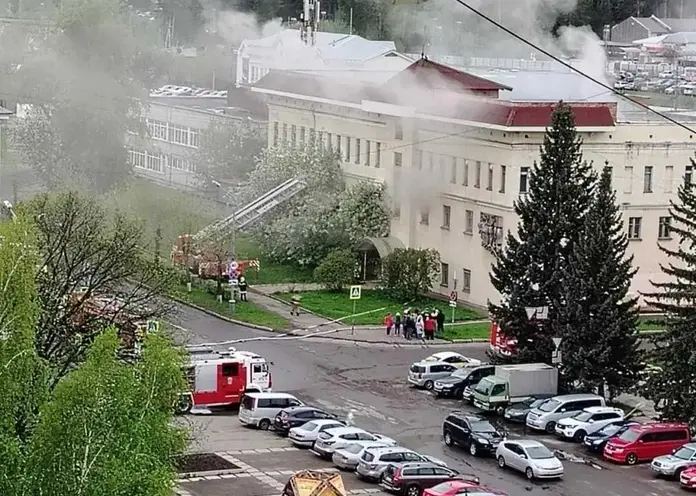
529 271
598 319
673 389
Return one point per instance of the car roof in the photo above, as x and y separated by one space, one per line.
326 421
471 417
381 450
442 355
369 444
658 426
603 409
573 397
421 464
270 395
337 431
301 408
528 443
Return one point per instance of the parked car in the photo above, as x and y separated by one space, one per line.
673 465
554 409
451 357
645 442
296 416
258 409
687 479
332 439
374 460
597 440
473 432
424 374
587 421
517 413
531 458
411 479
454 385
306 434
461 488
347 458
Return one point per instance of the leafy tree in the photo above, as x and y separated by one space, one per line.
337 270
363 211
530 270
672 389
598 322
409 273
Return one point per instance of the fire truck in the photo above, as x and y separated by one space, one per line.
221 378
501 344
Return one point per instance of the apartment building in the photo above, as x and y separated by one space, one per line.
455 157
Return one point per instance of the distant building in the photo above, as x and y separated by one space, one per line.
455 156
341 55
638 28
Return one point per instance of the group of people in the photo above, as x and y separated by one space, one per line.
416 323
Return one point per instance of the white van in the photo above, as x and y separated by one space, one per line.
544 417
259 409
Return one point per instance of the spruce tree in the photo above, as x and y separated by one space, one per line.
673 389
529 271
598 319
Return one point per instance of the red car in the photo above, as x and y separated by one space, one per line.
647 441
687 479
461 488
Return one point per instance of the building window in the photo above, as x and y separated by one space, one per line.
418 158
634 224
425 216
477 178
329 141
466 281
293 134
524 179
503 178
175 162
648 179
663 231
378 154
669 178
178 134
688 172
453 171
158 129
446 216
628 180
348 149
469 222
399 130
465 180
154 163
357 151
397 159
194 137
489 186
285 133
275 134
396 210
137 159
444 274
368 157
338 146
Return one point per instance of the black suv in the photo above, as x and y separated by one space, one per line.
296 416
411 479
454 385
472 431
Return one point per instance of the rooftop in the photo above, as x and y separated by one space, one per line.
436 76
4 113
657 25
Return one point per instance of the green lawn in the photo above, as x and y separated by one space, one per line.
270 273
338 306
650 323
244 311
468 331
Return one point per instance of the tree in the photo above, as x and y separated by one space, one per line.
409 273
530 270
337 270
87 254
363 211
598 322
672 389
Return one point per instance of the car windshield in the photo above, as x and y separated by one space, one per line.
461 373
484 387
539 453
630 436
309 426
549 405
684 453
483 426
353 448
611 429
535 403
582 416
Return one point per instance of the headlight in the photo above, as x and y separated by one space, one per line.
482 441
597 442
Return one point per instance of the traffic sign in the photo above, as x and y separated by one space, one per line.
355 292
556 357
453 296
233 265
557 342
453 303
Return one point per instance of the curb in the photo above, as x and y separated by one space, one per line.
402 343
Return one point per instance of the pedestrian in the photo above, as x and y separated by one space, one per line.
419 326
440 316
429 327
398 324
389 323
242 285
295 301
409 327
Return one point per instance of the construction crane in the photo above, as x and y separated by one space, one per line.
187 250
309 21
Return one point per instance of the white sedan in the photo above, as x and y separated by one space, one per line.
306 434
332 439
456 359
348 457
530 457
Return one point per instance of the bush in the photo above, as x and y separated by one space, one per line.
337 270
409 273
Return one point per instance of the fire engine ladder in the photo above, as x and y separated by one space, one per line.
251 212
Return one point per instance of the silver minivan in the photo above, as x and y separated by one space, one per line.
424 374
544 417
259 409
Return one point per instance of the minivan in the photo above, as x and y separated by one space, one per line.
544 417
645 442
259 409
424 374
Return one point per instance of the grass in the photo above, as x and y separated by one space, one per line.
650 323
338 306
244 311
476 330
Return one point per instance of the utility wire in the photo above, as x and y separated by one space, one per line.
569 66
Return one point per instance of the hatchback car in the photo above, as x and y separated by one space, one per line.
424 374
374 460
517 413
587 421
454 385
531 458
473 432
559 407
306 434
673 465
348 458
329 441
454 358
645 442
597 440
687 479
296 416
411 479
462 488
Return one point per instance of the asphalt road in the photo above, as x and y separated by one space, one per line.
371 381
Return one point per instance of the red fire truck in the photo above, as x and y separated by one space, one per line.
221 378
500 344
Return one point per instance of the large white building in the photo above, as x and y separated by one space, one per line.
455 155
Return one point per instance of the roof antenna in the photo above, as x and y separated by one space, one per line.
424 41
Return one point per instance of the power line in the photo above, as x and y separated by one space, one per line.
569 66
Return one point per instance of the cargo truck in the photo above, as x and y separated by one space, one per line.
514 384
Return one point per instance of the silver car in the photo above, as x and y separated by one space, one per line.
347 458
672 465
374 461
424 374
532 458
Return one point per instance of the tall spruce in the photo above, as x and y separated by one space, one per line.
599 319
673 389
529 271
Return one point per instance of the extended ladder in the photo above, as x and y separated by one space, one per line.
251 212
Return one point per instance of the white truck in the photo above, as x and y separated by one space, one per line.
514 384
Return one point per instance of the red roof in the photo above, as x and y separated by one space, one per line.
438 76
520 114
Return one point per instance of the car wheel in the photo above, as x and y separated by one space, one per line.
501 462
413 490
428 385
551 427
264 424
677 473
529 473
579 436
457 394
500 411
473 449
448 439
631 459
